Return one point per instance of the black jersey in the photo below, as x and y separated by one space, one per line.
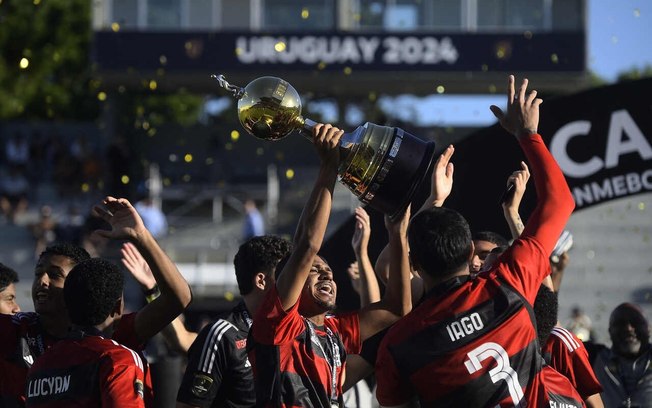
218 372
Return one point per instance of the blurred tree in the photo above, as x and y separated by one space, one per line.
635 73
44 66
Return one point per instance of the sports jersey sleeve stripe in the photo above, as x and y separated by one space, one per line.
568 335
564 340
136 357
207 359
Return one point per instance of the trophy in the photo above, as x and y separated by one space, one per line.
381 165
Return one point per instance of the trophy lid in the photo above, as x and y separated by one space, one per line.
270 108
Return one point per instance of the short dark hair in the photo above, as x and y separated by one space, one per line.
7 276
258 254
91 291
546 307
76 253
492 237
440 241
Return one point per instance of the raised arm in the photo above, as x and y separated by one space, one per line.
314 218
126 224
397 300
175 334
518 179
554 200
369 290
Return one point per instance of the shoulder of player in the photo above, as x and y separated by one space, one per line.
566 338
221 329
117 353
21 318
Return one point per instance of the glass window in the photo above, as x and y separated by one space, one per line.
567 15
236 14
292 15
125 13
395 15
442 14
519 14
200 14
163 13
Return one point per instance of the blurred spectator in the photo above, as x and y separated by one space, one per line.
8 277
624 369
153 217
43 231
118 161
254 225
579 324
13 194
17 152
70 227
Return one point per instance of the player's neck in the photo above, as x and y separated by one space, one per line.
56 326
252 301
317 319
430 282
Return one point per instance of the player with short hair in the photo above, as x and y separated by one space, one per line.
85 369
8 278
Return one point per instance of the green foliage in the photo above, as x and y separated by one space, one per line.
54 37
635 73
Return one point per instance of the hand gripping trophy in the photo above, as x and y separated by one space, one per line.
381 165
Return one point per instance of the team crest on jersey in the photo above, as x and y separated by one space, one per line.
139 387
201 384
240 344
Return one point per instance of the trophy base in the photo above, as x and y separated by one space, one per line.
403 169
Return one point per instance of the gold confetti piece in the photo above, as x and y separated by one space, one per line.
186 178
124 179
641 206
279 46
24 63
115 27
347 70
235 135
289 174
101 96
441 89
305 13
187 158
229 296
554 58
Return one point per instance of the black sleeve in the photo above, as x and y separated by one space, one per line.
370 346
593 349
207 364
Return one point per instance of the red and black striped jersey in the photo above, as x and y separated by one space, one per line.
566 354
472 342
86 371
23 340
293 368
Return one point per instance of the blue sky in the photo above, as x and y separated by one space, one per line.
619 34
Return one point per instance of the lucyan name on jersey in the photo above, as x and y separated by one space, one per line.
54 385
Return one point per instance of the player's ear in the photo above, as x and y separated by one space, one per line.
118 307
260 280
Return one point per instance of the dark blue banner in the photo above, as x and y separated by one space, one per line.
325 51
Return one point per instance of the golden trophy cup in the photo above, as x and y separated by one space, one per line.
381 165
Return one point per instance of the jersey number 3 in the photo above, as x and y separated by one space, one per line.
502 371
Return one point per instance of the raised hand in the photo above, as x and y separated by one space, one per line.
137 266
400 225
522 115
121 216
327 141
362 231
354 275
519 179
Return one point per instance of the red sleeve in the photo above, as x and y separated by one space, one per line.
523 266
122 379
125 332
273 325
348 326
554 199
569 356
391 388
